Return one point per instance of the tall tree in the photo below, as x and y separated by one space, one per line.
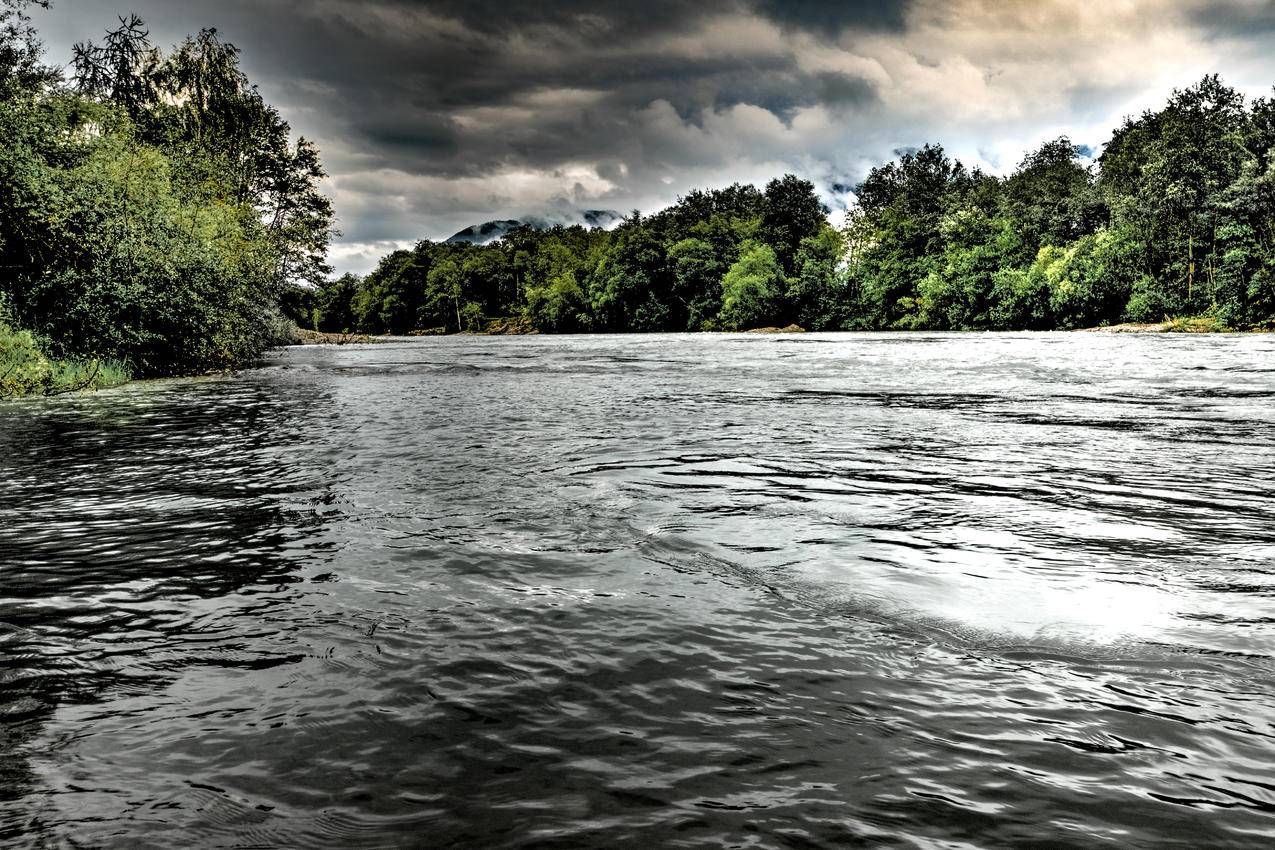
790 212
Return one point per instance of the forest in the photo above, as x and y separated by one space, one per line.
1175 218
154 210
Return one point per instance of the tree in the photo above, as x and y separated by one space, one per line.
129 236
629 288
1164 174
333 310
1052 199
790 212
816 295
443 291
122 70
20 66
555 299
752 288
697 274
902 205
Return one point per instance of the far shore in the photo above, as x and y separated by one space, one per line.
1189 325
304 336
505 327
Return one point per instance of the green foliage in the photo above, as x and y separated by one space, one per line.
816 295
20 68
333 304
697 273
630 287
791 212
555 299
1051 199
1020 299
26 369
156 214
752 288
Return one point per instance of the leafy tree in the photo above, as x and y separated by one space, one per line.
1052 199
630 286
20 66
1163 175
127 236
902 205
697 274
752 288
443 293
816 295
555 298
333 310
790 212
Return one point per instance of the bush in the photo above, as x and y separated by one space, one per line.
1150 302
25 369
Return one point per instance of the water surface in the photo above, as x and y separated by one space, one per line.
913 590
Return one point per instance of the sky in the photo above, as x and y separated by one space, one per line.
435 115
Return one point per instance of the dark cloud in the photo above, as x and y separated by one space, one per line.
833 18
844 90
1229 19
434 115
396 73
459 89
585 19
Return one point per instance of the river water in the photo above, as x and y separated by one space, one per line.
912 590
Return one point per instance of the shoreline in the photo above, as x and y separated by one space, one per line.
305 336
1175 326
1185 325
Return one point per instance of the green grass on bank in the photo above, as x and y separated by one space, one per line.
1198 325
25 369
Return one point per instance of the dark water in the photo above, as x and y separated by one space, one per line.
819 591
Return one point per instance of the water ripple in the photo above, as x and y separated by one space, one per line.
890 590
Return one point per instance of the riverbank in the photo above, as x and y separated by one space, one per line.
26 370
304 336
789 329
1185 325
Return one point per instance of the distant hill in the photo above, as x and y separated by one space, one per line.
490 231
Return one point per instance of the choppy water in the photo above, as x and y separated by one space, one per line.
657 591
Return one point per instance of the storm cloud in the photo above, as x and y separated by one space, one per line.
436 115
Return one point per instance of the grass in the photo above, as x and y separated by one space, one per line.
1197 325
25 369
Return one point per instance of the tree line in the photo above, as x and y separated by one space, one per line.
1175 218
154 209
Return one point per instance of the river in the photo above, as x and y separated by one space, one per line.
910 590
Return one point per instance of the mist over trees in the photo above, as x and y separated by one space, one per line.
1176 218
153 207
